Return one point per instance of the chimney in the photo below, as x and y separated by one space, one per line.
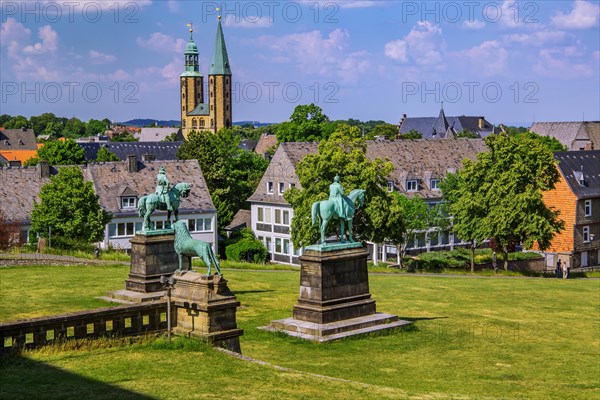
149 157
14 163
132 163
44 168
481 123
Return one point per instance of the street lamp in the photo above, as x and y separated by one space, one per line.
168 284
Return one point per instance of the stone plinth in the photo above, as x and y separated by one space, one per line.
152 256
334 297
205 308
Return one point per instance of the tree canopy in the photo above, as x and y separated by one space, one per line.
105 155
344 153
231 173
58 152
307 123
412 134
69 208
500 195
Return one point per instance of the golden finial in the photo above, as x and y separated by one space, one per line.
190 25
218 16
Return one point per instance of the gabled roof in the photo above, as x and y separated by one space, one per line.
265 142
161 150
156 134
220 59
571 134
17 139
111 179
241 220
443 125
18 155
574 164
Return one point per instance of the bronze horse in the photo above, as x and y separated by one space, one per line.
325 211
148 204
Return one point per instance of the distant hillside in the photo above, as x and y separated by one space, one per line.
145 122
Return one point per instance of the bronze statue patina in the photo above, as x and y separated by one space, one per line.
185 245
338 207
165 198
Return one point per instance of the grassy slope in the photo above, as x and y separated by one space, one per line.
472 338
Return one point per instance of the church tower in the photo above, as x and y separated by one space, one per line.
219 85
192 82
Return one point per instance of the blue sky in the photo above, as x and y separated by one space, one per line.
510 61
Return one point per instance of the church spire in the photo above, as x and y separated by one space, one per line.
220 59
192 67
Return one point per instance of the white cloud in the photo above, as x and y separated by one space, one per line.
173 6
97 57
537 39
555 62
473 25
489 57
584 15
91 5
162 43
165 76
233 21
423 45
13 31
48 44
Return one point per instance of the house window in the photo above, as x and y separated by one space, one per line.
292 185
435 184
586 234
128 202
286 217
278 216
123 229
588 208
390 186
270 187
282 217
202 123
264 214
281 187
412 185
200 225
278 245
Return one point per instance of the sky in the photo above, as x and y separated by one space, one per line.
510 61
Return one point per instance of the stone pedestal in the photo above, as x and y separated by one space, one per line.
152 256
334 297
205 308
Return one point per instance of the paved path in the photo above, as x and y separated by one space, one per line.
56 258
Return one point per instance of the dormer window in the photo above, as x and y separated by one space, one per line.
281 187
390 186
128 202
412 185
270 187
21 143
434 184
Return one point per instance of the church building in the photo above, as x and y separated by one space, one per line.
215 113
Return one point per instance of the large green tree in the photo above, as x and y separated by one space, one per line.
231 173
344 153
69 209
104 155
500 195
74 128
58 152
307 123
94 127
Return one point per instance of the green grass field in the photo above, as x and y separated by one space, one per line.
472 338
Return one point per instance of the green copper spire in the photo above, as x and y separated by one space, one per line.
220 60
191 57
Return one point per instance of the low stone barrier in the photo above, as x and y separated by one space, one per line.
128 320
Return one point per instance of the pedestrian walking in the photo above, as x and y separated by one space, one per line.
558 270
565 270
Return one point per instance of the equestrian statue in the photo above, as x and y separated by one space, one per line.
338 207
165 198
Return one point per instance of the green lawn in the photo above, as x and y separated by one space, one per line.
472 338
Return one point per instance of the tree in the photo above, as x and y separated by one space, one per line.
53 129
69 208
231 173
58 152
40 122
465 134
105 155
551 143
412 134
17 122
74 128
4 118
171 138
344 153
307 124
385 130
128 137
500 195
95 127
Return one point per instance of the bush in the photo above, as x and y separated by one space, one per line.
247 250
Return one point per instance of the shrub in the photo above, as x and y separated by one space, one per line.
247 249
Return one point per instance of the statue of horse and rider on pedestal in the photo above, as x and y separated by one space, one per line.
165 198
338 207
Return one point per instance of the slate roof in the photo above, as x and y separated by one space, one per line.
571 165
248 144
17 139
220 59
265 142
241 220
161 150
19 188
156 134
202 109
421 159
446 127
574 135
112 179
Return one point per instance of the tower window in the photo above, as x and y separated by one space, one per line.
194 123
202 123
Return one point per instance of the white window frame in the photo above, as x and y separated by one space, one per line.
434 184
390 186
587 208
124 227
270 187
586 234
281 187
292 185
410 183
131 202
266 211
194 223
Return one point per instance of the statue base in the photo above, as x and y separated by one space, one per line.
205 308
152 256
334 297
